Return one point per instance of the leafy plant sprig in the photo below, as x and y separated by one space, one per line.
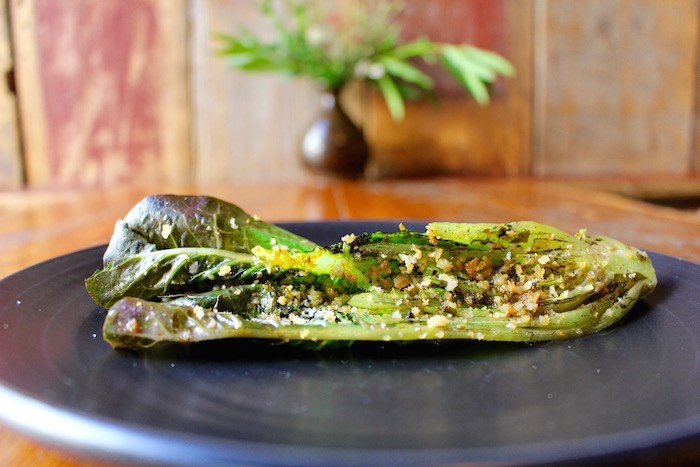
332 50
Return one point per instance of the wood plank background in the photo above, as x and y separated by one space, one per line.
11 170
246 126
619 87
113 92
102 90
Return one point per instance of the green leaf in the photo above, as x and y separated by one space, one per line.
464 71
145 275
392 97
490 60
406 72
245 60
160 222
417 48
233 45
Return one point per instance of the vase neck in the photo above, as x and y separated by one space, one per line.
330 97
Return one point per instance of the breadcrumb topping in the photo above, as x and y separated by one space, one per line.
166 230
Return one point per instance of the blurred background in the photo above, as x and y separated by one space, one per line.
100 92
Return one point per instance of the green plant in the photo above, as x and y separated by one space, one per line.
365 44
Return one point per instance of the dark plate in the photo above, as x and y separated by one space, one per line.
629 393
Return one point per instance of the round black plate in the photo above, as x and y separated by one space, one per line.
631 392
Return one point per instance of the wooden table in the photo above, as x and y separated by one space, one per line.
38 225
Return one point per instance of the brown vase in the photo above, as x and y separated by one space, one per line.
333 144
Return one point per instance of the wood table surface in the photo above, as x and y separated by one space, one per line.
39 225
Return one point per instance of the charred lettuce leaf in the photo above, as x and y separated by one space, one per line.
161 222
170 242
148 274
189 269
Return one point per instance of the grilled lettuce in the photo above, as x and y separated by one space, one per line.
194 268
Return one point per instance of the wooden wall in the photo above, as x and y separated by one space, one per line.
246 126
617 87
11 170
111 92
102 90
